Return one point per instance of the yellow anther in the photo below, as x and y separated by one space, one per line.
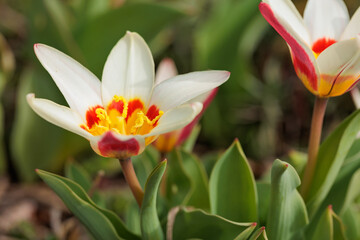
101 114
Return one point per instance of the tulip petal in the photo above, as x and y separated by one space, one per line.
182 88
79 86
302 56
288 16
340 67
326 18
113 145
58 115
165 70
129 70
353 28
176 118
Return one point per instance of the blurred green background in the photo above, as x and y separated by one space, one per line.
263 104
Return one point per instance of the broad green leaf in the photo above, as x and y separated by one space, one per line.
263 191
150 224
232 187
199 194
178 184
102 223
351 220
132 216
343 192
330 159
329 227
98 36
259 234
187 224
287 212
76 173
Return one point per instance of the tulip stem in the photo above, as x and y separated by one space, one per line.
132 180
314 143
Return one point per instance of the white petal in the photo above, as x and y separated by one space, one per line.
79 86
58 115
182 88
353 28
129 70
176 118
326 18
353 66
165 70
288 16
334 58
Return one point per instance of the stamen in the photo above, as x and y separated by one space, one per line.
119 117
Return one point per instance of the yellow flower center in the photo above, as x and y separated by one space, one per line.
123 117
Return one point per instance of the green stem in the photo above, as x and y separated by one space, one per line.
132 180
314 143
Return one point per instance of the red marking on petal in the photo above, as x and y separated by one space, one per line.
302 61
186 131
91 116
132 106
353 85
110 146
321 44
119 106
152 112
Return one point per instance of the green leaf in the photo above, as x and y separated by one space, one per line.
178 183
189 144
263 191
76 173
132 216
351 219
232 186
145 163
329 227
150 224
287 213
259 234
330 159
199 194
98 36
244 235
187 224
102 223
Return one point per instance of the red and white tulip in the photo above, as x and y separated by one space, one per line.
125 111
324 44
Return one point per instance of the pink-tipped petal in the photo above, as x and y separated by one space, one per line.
118 146
165 70
129 70
353 28
326 19
302 56
79 86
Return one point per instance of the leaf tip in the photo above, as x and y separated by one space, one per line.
263 228
254 224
